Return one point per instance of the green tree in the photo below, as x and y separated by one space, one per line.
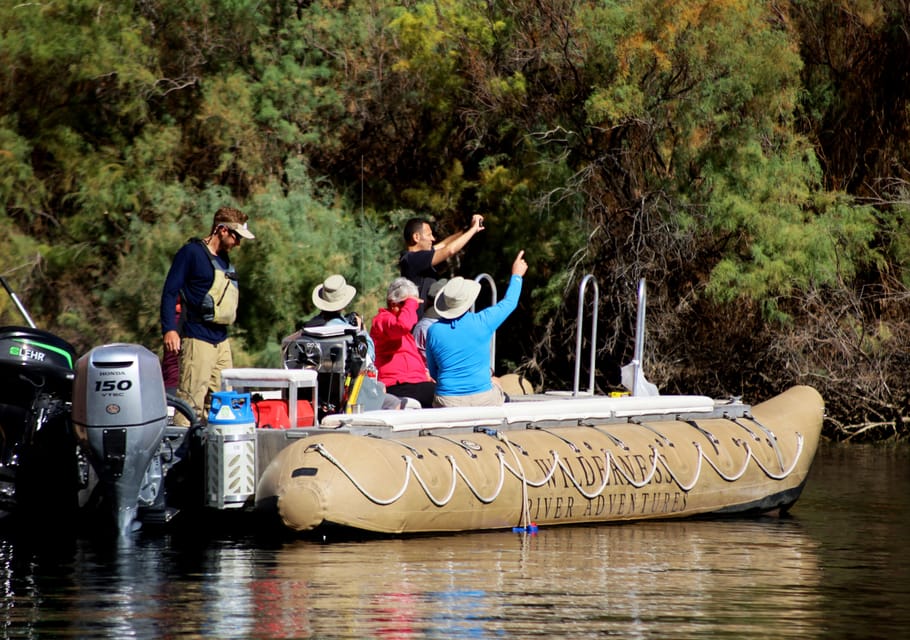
696 143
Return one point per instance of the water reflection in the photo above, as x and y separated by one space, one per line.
704 576
782 578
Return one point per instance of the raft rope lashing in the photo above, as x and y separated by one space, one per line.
723 476
655 456
456 469
685 487
558 463
566 441
616 441
410 470
661 438
457 443
732 478
710 436
413 450
658 457
752 433
800 443
519 473
772 437
525 513
321 450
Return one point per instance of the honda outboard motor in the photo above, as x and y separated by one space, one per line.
120 416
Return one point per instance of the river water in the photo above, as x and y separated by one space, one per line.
836 567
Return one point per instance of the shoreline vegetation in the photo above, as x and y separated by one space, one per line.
748 159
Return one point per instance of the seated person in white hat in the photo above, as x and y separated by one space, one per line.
331 297
458 344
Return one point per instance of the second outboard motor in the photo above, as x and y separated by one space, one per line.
119 416
38 456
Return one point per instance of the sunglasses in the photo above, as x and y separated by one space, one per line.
237 237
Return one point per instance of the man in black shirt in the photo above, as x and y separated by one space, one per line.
422 254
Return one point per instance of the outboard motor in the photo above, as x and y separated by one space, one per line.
120 415
38 455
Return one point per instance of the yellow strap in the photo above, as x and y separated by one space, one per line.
355 391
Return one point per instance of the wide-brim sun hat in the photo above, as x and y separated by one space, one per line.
430 307
456 297
334 294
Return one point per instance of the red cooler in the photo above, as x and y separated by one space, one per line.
273 414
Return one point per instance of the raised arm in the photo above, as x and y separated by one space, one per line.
457 241
496 315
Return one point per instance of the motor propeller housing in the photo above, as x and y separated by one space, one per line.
119 416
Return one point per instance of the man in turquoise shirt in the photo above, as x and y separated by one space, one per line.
458 345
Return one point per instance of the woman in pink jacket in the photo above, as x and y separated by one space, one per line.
401 367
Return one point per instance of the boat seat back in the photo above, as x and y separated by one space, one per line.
336 352
580 410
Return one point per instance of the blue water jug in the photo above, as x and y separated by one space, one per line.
230 407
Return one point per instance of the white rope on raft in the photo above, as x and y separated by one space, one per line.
409 471
558 463
656 456
800 442
525 520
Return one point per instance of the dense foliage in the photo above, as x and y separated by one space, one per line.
748 159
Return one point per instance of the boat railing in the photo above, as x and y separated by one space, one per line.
481 278
633 377
581 304
588 279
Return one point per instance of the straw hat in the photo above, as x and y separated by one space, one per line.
456 297
429 307
334 294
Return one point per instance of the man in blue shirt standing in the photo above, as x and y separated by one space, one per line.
202 275
458 345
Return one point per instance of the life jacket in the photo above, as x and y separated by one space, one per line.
219 305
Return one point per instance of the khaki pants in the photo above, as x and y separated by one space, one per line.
492 398
201 364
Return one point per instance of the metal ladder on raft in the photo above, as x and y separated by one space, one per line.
638 385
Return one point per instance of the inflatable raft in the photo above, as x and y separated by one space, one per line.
544 461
